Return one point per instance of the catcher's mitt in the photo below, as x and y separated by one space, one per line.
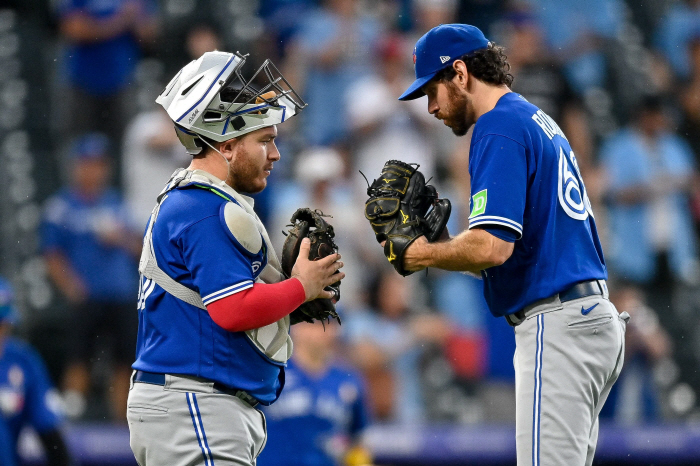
307 223
397 210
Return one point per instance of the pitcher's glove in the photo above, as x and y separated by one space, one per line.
399 210
307 223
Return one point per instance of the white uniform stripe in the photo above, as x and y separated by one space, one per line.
495 222
197 427
245 286
537 410
212 295
201 428
495 218
539 420
216 298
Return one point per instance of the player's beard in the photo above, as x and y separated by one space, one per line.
457 114
244 174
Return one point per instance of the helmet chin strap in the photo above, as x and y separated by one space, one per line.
215 149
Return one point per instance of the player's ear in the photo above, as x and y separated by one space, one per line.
227 148
461 71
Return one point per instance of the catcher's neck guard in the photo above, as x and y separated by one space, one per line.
194 101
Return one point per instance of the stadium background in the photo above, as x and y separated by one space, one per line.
437 366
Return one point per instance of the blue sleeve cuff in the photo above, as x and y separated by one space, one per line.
504 233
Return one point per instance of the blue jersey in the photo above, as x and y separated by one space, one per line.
193 245
526 185
26 395
315 419
106 66
8 450
72 227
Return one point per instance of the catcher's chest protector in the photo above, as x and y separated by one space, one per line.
273 340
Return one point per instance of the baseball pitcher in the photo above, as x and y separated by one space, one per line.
532 237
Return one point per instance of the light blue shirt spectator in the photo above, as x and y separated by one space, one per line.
631 162
338 50
571 29
394 338
675 32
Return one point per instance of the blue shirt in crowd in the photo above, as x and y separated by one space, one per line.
676 31
26 397
71 226
631 162
106 66
326 123
315 419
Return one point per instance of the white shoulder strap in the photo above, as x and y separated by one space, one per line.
148 266
273 340
272 273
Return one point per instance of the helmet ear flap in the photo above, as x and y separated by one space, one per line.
189 140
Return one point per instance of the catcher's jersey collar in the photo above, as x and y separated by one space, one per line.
214 182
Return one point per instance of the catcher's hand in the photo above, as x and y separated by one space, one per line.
315 262
402 207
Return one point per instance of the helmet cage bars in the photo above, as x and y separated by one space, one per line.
259 100
193 99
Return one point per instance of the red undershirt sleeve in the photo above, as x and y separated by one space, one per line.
258 306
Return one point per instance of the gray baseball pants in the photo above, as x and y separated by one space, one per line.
186 422
567 358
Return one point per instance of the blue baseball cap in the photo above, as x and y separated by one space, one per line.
438 49
7 307
91 146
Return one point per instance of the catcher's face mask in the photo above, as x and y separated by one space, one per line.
194 102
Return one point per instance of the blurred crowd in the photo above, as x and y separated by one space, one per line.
622 79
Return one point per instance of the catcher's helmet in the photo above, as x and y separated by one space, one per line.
194 101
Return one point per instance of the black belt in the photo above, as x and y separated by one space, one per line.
159 379
579 290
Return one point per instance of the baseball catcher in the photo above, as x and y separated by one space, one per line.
307 223
401 207
211 280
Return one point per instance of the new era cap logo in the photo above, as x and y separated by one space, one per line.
444 58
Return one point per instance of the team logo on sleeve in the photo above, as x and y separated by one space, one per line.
478 203
570 189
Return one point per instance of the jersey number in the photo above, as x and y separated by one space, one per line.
570 190
146 286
